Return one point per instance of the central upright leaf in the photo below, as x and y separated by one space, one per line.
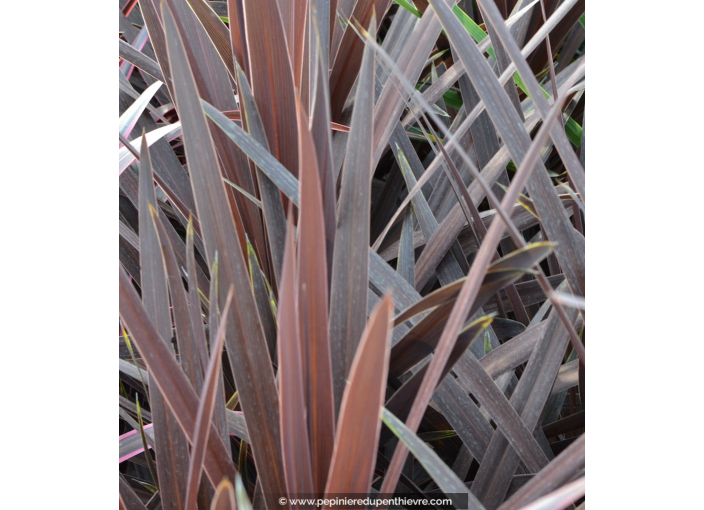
350 270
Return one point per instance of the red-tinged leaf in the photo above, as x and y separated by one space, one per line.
521 218
463 415
224 498
154 288
217 32
246 346
271 198
313 309
129 244
460 411
359 421
206 405
131 443
491 398
293 18
237 115
152 20
320 27
171 446
442 238
293 411
470 211
238 40
194 300
271 78
339 10
236 424
215 86
187 348
348 60
129 5
350 271
213 319
438 244
322 136
170 379
561 229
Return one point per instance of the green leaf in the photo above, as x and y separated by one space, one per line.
472 28
436 435
487 344
409 7
574 132
453 99
415 133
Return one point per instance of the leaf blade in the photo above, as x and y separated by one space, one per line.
436 468
246 346
357 433
294 428
350 274
206 405
313 307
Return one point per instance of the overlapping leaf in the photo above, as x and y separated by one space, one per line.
245 341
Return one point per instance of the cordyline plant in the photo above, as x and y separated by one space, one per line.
351 253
